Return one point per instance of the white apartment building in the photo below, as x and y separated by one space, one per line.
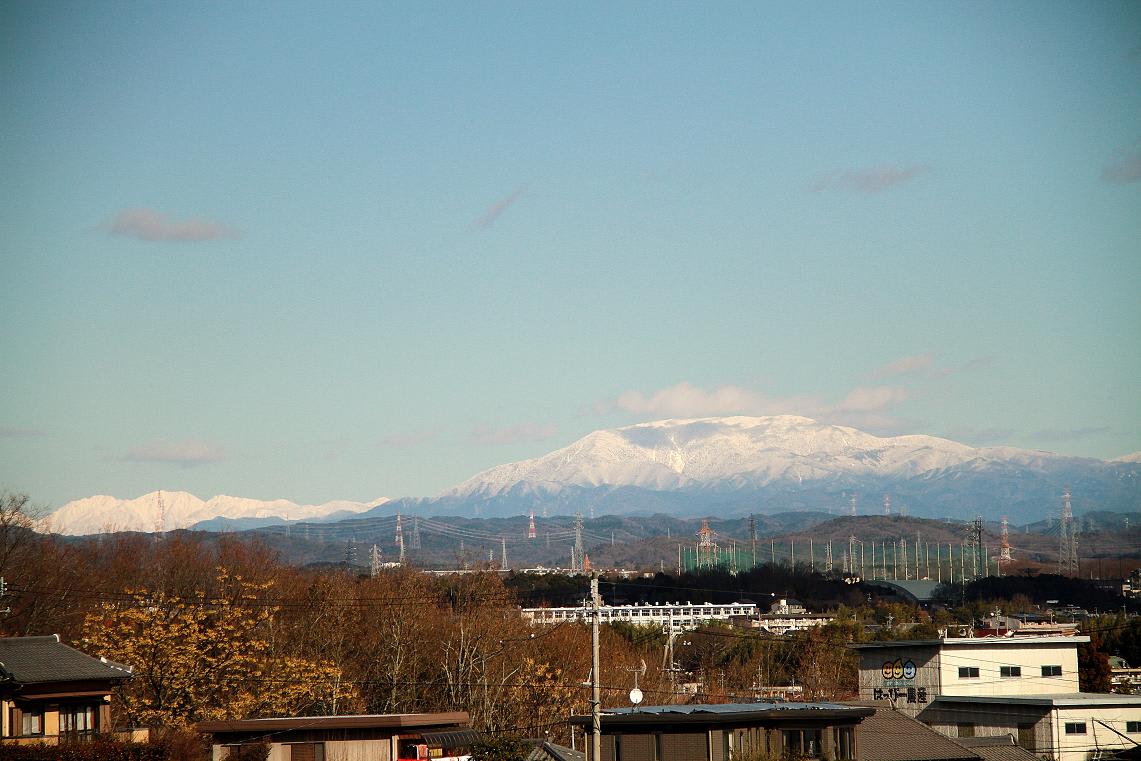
675 615
1025 686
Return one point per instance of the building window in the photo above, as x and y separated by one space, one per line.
1075 727
968 672
1009 671
25 722
1051 671
1133 727
842 744
805 742
966 730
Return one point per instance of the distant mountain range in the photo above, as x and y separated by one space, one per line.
179 509
727 467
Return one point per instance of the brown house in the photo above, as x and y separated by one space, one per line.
51 692
722 732
376 737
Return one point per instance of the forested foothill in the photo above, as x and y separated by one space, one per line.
218 627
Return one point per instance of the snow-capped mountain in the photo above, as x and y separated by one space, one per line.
675 454
179 509
734 465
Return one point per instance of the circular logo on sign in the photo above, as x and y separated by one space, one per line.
909 669
886 670
897 669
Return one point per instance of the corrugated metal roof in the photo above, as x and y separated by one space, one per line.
456 738
37 660
725 708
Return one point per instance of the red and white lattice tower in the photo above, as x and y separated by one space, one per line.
531 526
853 503
1004 547
887 504
707 550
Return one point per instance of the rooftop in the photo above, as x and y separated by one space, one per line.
1057 700
723 713
973 642
360 721
38 660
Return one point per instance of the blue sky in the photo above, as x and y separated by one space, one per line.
348 250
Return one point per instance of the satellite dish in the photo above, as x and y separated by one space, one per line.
635 696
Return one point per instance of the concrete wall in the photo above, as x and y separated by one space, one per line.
989 660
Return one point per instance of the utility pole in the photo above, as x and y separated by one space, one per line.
595 690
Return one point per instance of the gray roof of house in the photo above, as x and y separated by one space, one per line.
997 748
35 660
549 751
890 735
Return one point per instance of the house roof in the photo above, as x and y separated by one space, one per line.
727 713
369 721
997 748
543 750
889 735
950 642
37 660
1054 700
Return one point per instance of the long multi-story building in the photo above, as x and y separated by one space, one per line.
675 615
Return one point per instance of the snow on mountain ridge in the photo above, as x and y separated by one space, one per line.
676 453
104 514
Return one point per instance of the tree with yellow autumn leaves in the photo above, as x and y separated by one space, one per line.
202 657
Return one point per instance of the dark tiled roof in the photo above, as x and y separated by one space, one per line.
891 735
35 660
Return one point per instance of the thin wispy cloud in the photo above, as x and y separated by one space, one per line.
151 226
186 453
869 180
487 219
513 434
905 366
1069 434
981 437
1125 170
684 400
871 399
17 432
409 438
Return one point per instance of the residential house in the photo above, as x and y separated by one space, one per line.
376 737
50 692
1024 686
722 732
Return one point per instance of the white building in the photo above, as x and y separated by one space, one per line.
983 686
675 615
786 616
